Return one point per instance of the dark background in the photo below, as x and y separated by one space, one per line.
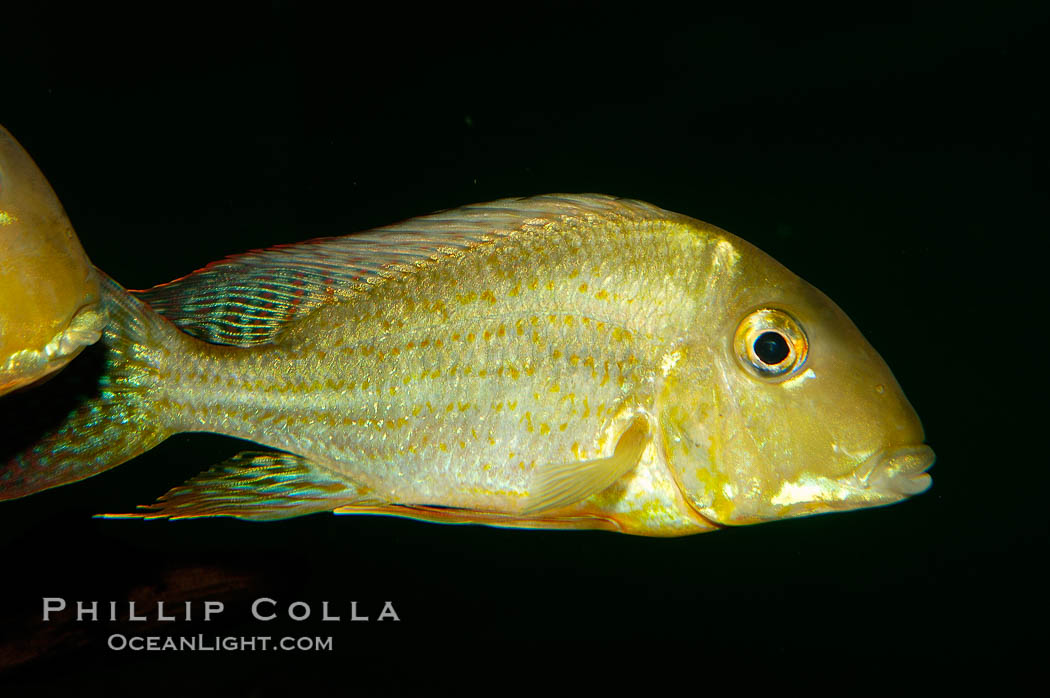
888 155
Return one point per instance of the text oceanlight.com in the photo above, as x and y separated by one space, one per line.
217 643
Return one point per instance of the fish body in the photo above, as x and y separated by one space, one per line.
559 361
49 291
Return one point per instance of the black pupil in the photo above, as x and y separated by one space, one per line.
771 348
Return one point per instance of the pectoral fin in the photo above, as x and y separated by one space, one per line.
256 486
561 484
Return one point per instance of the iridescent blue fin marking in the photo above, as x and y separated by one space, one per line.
96 414
246 299
259 486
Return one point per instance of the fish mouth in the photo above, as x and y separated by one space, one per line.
898 471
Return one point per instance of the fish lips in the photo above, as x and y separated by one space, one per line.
899 471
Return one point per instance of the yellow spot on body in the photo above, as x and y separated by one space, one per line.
545 428
555 387
556 354
487 335
583 288
443 446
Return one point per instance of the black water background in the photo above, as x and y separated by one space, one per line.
891 157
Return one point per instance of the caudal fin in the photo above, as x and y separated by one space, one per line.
96 414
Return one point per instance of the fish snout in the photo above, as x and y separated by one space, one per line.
898 471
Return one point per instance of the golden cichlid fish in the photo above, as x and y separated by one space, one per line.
558 361
49 291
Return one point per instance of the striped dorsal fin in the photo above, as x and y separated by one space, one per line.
246 299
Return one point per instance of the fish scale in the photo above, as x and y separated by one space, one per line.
387 438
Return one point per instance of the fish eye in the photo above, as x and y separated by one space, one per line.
770 343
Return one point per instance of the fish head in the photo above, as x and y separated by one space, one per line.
49 291
784 409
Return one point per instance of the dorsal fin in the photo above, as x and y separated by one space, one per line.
246 299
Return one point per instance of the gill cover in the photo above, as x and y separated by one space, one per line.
783 409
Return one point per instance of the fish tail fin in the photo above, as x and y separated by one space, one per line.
96 414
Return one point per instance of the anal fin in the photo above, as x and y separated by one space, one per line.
454 515
258 486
